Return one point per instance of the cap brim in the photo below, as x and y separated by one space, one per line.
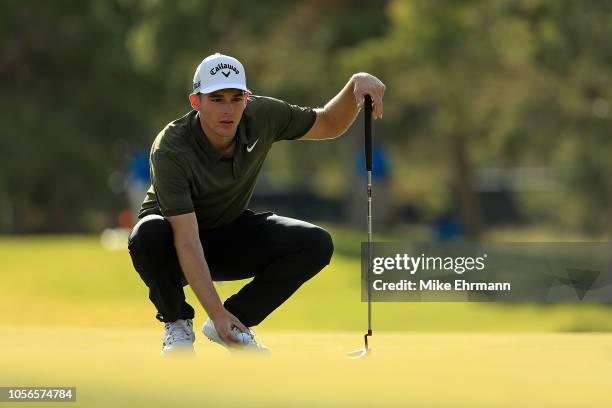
217 87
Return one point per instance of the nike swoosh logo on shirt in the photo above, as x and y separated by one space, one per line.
249 148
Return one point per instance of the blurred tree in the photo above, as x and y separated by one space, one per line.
61 63
499 83
471 84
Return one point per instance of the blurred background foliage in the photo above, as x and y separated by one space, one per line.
505 95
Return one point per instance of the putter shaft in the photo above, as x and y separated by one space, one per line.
369 255
368 159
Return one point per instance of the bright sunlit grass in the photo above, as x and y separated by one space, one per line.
73 281
122 367
75 314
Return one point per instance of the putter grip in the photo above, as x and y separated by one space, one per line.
368 132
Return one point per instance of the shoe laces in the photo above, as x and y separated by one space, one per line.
180 330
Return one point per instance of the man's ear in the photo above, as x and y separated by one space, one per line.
245 98
195 101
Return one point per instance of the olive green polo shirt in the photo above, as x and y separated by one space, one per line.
189 175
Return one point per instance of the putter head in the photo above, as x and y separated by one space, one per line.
359 353
362 352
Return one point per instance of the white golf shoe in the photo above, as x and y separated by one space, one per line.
246 341
178 338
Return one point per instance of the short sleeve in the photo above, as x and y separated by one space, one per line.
290 121
171 185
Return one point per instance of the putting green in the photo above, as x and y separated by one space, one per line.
75 314
73 281
122 367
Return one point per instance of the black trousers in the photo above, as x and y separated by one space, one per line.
279 253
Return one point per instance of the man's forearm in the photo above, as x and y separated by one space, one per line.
340 112
194 265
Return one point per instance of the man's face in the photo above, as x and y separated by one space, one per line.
220 111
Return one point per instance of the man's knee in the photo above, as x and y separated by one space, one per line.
321 246
151 234
151 248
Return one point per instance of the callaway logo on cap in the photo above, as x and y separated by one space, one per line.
219 71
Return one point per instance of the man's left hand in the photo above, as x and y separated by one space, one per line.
366 84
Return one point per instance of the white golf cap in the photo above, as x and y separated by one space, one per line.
219 71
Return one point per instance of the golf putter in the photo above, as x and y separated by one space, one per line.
368 159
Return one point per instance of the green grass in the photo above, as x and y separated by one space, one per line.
122 368
74 281
75 314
